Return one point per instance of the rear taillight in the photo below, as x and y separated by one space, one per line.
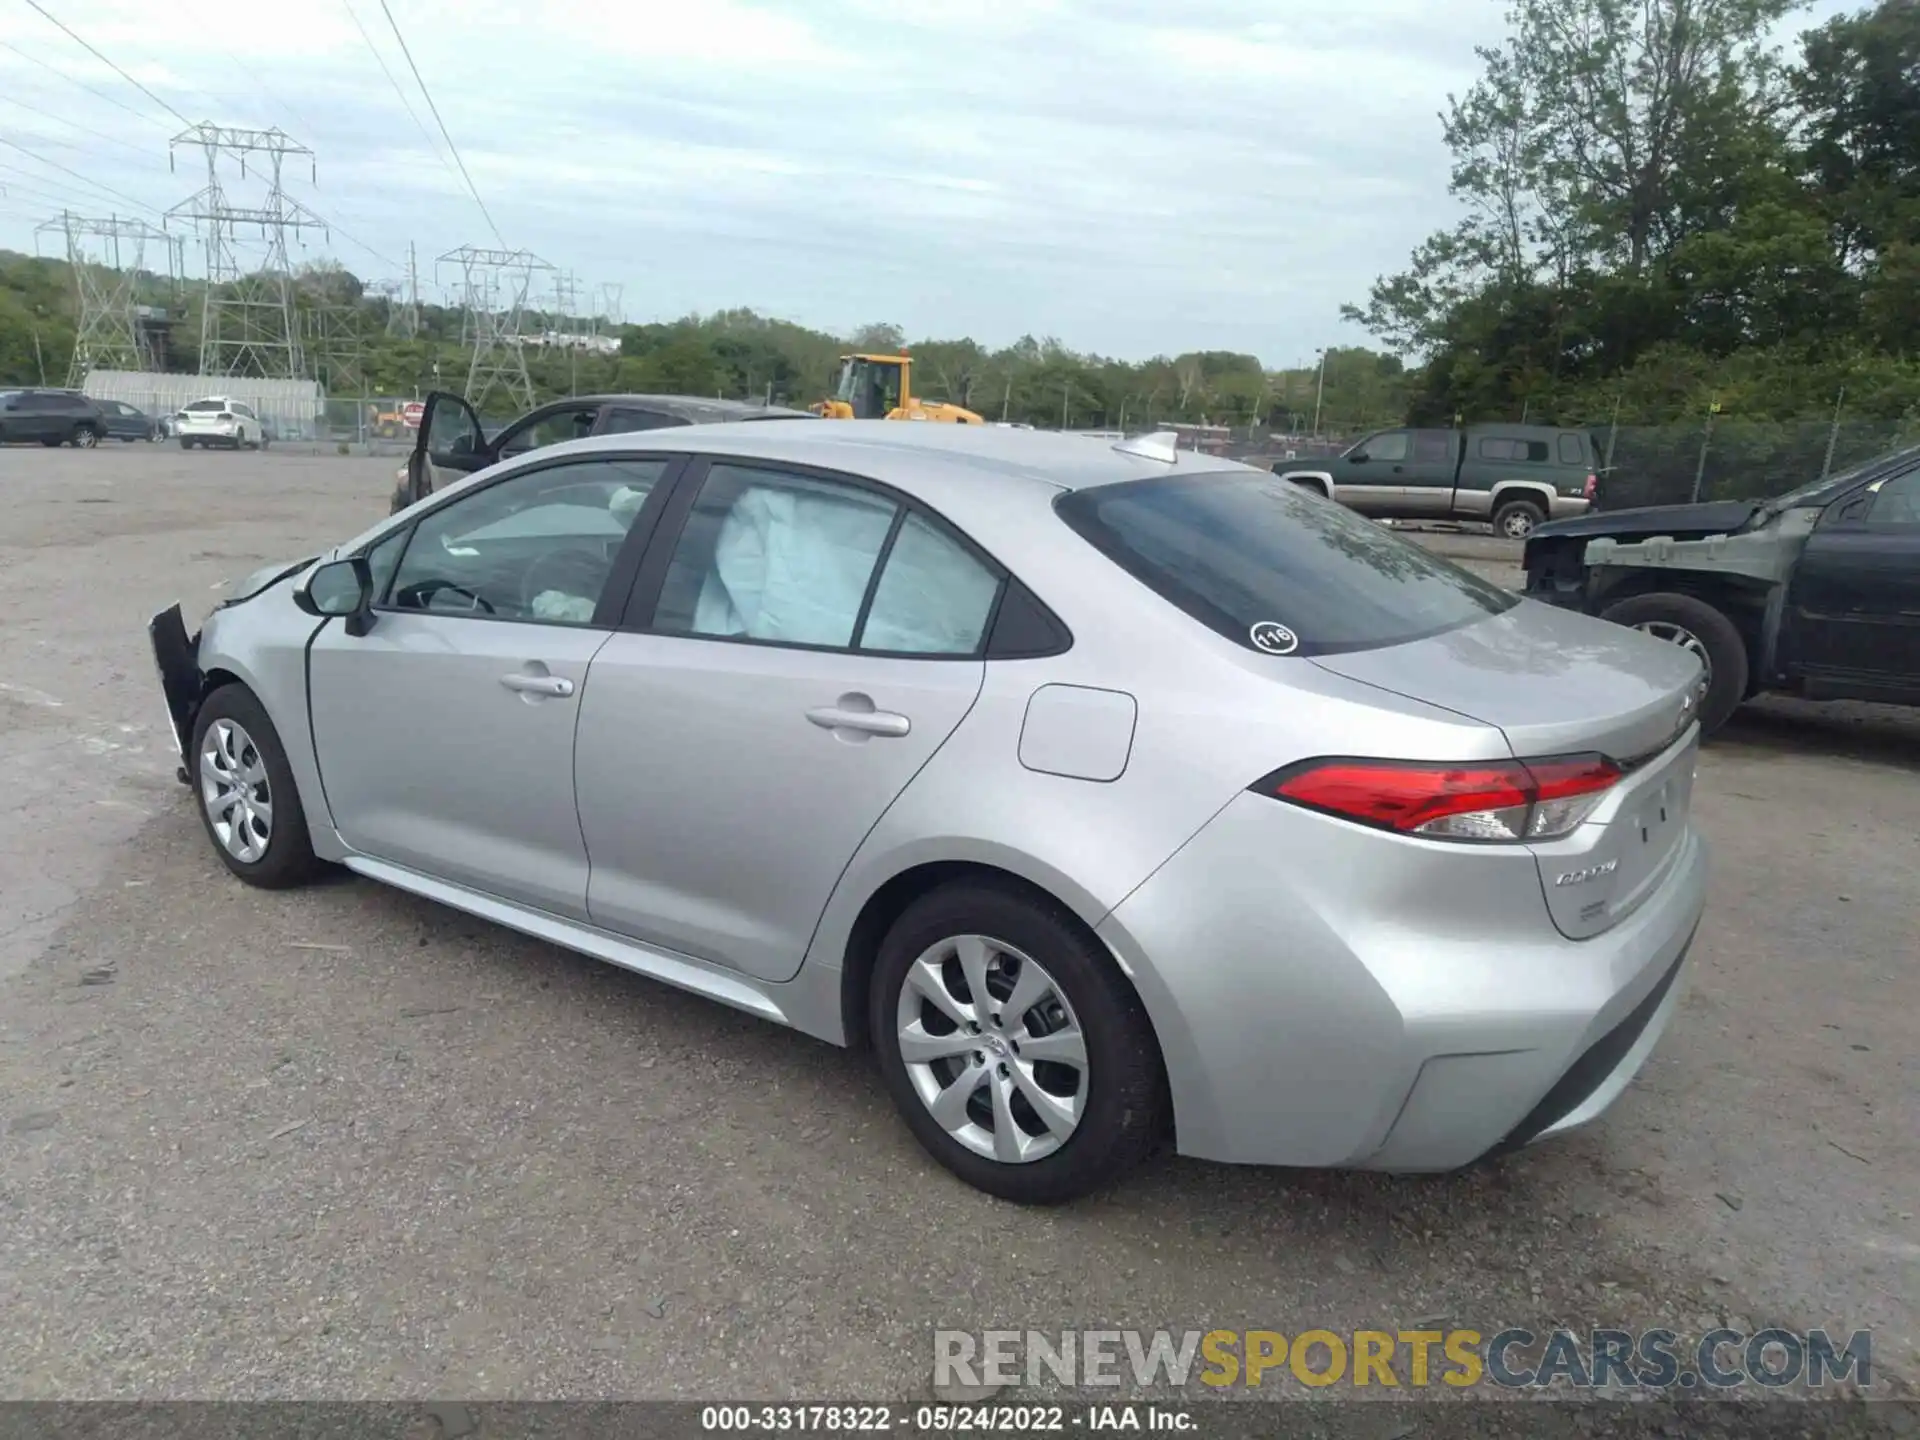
1592 487
1491 801
224 415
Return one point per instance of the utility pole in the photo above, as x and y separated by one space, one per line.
107 332
1319 393
494 285
248 320
1006 399
1706 439
1833 433
413 294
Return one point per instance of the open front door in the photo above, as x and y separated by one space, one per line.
448 445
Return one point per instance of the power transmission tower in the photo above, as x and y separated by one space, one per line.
106 276
413 294
494 285
608 314
566 300
334 348
249 324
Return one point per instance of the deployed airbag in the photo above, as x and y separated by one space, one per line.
793 564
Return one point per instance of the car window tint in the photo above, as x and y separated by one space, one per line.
206 406
1533 451
934 595
1236 550
1433 447
622 421
1572 452
770 556
1897 501
538 546
1494 449
1391 446
552 429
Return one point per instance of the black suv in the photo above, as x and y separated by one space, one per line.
53 417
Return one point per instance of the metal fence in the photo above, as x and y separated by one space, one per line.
1721 459
351 425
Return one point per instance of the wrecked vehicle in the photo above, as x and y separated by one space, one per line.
1815 593
1110 793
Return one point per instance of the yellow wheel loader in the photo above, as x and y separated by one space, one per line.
880 387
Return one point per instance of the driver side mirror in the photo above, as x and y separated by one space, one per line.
1358 457
340 587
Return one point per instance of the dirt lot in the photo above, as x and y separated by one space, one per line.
343 1143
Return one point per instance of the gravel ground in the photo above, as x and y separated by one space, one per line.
342 1143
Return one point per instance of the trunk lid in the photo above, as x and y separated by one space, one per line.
1556 682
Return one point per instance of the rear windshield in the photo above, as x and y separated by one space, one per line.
1275 568
200 406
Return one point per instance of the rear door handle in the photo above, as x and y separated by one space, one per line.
538 684
862 720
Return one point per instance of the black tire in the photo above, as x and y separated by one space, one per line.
1126 1109
1725 646
185 444
53 444
288 857
1515 519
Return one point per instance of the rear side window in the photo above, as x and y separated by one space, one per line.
1248 552
1432 447
1532 452
1572 452
620 421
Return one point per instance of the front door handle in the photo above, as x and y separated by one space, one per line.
538 684
856 713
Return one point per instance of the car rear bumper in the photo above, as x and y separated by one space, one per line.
1322 1001
1566 506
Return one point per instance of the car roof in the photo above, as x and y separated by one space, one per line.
691 407
920 459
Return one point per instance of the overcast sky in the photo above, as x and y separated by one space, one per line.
1131 176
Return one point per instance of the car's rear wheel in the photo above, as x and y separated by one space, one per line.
1706 630
185 444
1013 1047
245 792
1516 518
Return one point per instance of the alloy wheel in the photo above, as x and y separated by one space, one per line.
85 439
235 791
1517 525
1678 635
993 1048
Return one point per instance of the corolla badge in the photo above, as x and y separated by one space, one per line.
1592 872
1274 638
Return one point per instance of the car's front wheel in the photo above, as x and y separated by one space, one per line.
85 437
1707 631
246 793
1015 1050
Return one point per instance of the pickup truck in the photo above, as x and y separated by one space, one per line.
1512 476
1814 593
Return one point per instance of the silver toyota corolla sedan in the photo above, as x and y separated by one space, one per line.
1109 792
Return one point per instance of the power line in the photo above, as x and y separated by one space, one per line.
386 70
96 134
75 80
428 94
84 179
54 19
